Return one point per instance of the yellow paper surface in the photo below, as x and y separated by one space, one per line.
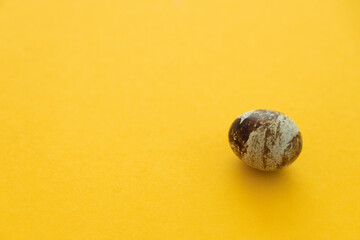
114 118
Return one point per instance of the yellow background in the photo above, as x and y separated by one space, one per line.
114 118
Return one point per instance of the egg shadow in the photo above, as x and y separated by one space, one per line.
262 180
270 196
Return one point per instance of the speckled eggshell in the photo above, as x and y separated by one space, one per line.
265 139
